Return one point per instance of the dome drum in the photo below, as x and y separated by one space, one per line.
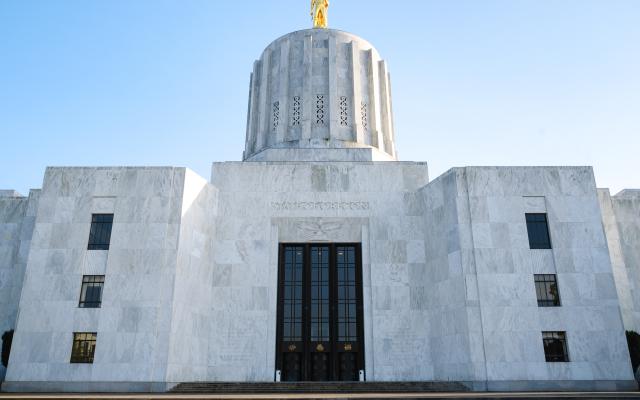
319 89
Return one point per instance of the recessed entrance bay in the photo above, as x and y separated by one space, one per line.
320 335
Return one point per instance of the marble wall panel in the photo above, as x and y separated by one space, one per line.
621 220
489 206
133 324
17 219
511 321
445 285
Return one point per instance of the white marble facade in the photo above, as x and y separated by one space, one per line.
190 287
17 217
621 219
485 311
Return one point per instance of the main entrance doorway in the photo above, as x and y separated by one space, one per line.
320 331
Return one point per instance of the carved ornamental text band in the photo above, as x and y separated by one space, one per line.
320 205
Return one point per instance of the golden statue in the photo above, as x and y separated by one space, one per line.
319 9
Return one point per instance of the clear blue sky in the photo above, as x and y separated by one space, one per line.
157 82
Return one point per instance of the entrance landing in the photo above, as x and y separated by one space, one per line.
319 387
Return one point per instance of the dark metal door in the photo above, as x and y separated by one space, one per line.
320 330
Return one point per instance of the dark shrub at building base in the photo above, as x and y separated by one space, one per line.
7 337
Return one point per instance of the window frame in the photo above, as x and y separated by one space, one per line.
77 353
100 232
534 244
547 282
91 280
552 336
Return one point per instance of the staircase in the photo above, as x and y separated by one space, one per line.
316 387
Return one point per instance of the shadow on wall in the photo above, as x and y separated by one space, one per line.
7 338
633 340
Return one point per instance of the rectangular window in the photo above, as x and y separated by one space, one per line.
91 292
547 290
292 292
84 347
100 233
555 346
347 294
538 229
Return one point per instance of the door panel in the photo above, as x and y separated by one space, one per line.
292 367
291 296
320 367
348 368
320 327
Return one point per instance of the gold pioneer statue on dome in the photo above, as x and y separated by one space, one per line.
319 9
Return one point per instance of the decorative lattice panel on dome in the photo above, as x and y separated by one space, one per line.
276 115
320 109
296 111
363 114
344 117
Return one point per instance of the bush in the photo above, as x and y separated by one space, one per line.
633 341
7 338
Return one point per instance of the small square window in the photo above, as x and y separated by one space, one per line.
91 292
538 230
84 347
547 290
555 346
100 233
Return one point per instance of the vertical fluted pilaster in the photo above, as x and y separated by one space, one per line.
374 106
264 111
385 109
248 135
307 105
357 94
392 135
283 92
253 115
332 109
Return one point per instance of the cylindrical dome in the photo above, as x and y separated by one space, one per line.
320 95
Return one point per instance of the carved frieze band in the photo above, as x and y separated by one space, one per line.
320 205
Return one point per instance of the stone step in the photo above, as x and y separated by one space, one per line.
318 387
